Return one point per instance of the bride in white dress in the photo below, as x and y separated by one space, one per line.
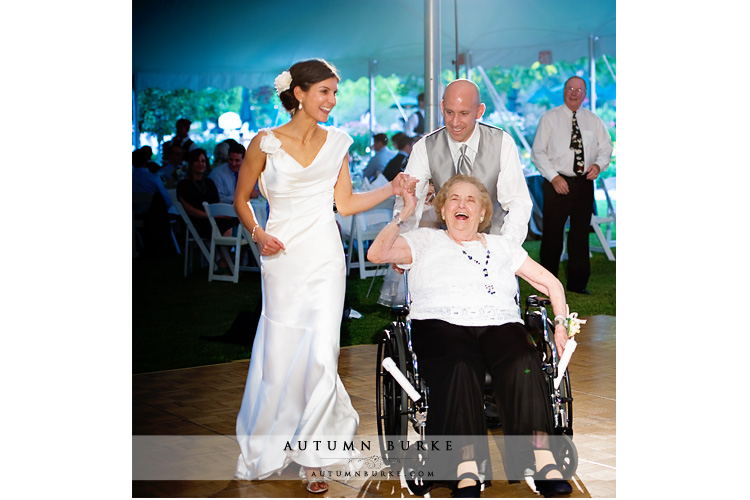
293 395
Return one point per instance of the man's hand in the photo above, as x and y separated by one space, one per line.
593 172
560 185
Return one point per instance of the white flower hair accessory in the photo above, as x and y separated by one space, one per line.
282 82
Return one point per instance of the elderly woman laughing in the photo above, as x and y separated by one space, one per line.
465 321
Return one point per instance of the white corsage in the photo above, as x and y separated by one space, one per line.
574 324
574 327
270 144
282 82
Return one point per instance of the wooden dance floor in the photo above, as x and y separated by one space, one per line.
201 405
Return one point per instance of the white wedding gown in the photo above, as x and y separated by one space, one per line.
294 395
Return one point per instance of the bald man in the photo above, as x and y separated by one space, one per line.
490 154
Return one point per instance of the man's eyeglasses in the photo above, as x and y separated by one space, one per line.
573 90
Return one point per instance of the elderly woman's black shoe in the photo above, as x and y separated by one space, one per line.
473 491
551 487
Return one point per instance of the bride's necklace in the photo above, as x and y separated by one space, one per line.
487 286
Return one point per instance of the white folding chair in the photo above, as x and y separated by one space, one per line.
606 243
534 183
365 228
236 241
607 187
259 206
192 238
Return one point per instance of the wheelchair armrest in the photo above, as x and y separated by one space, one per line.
534 301
401 311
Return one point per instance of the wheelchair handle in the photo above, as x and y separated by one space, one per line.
399 377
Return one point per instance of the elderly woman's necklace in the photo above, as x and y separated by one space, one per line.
487 286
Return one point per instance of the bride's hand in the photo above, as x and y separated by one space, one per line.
402 183
267 244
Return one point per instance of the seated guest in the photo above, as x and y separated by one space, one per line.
147 153
194 189
381 158
172 170
144 181
156 230
464 320
225 175
397 164
221 153
153 167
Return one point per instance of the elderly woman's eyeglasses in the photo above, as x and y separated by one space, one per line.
573 90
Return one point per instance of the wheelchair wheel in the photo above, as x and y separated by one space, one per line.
390 399
564 414
415 465
567 456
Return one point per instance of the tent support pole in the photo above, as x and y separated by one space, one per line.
431 63
136 132
592 78
372 64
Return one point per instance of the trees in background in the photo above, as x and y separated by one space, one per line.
526 93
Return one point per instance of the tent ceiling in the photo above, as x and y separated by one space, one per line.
225 43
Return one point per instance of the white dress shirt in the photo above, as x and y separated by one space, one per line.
226 182
551 153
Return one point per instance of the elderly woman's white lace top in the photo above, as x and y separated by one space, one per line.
469 284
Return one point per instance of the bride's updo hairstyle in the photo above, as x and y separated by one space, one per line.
304 75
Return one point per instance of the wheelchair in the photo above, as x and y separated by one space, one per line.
402 396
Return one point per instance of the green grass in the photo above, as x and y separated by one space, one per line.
172 314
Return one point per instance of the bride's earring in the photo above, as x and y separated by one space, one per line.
481 219
300 105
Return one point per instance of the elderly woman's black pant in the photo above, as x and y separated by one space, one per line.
453 360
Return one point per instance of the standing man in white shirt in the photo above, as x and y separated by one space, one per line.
490 155
571 148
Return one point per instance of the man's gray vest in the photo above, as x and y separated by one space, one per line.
485 167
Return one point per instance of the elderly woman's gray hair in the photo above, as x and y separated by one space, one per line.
484 196
221 153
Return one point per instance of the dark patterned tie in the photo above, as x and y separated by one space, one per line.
464 165
576 144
